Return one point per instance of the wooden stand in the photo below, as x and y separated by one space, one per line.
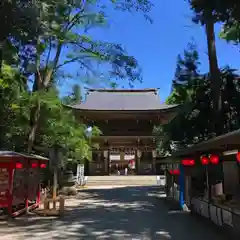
55 211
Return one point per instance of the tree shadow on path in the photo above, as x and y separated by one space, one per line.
118 213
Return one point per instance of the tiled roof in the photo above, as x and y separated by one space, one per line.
107 100
9 154
225 142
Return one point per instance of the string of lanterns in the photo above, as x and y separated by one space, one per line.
205 160
212 159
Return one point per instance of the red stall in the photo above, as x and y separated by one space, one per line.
20 181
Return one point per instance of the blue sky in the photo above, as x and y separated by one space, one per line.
156 45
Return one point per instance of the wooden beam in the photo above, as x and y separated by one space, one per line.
123 137
144 148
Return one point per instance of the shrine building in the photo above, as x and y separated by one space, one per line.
126 119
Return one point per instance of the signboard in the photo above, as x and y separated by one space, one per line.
56 157
204 209
96 168
219 216
227 217
145 167
213 214
19 186
33 183
4 184
80 174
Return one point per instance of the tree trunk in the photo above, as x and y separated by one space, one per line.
214 73
40 82
35 114
215 78
34 120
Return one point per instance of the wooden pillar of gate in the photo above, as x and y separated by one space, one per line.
154 155
106 162
138 155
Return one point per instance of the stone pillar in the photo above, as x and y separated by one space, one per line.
187 190
92 164
138 157
122 155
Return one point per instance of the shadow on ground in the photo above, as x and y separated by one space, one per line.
119 213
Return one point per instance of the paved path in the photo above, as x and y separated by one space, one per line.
115 213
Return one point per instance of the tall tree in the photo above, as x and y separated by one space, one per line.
191 88
63 23
205 14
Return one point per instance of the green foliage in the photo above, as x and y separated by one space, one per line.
64 25
231 33
57 123
18 19
62 128
34 40
73 98
223 11
14 110
192 89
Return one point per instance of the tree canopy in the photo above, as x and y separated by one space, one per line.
191 88
39 40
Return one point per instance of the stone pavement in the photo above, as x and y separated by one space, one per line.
115 213
129 180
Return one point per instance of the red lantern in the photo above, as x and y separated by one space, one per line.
188 162
19 165
204 160
43 165
176 172
238 157
214 159
34 165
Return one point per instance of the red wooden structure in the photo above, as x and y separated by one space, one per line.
20 181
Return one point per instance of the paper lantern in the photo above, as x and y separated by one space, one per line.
188 162
176 172
19 165
34 165
238 156
204 160
214 159
43 165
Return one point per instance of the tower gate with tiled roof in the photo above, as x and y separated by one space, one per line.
126 119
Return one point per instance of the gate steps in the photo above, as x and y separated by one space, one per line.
122 180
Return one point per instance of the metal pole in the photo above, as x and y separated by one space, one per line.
181 184
54 187
207 184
